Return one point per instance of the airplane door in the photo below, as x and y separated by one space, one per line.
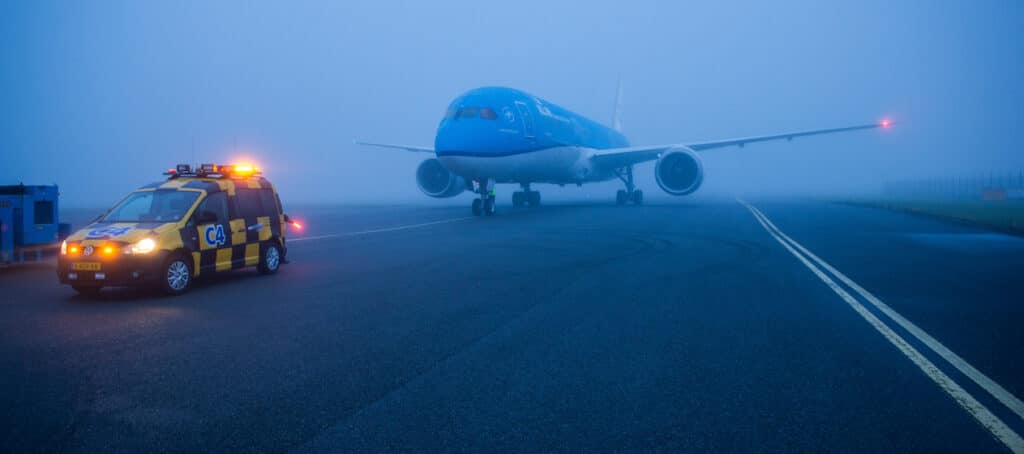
527 116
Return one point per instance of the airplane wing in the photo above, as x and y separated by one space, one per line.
621 157
399 147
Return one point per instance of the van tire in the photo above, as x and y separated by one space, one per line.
176 275
270 259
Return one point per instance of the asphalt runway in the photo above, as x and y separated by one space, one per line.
696 326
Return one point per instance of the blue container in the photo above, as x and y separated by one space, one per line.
29 226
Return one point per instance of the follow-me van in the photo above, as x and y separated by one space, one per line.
212 219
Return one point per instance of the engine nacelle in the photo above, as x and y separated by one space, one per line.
435 180
679 171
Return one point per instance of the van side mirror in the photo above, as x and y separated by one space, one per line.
206 217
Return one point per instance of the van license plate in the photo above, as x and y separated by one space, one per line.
86 266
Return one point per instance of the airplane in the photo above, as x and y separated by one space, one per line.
493 135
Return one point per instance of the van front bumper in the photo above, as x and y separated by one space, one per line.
119 271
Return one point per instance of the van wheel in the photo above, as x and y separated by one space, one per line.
87 290
176 277
271 259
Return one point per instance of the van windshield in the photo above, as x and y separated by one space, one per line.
152 206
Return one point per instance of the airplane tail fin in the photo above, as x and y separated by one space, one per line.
617 113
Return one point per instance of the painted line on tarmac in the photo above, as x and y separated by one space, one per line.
996 426
382 230
1001 394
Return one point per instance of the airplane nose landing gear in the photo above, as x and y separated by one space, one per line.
484 205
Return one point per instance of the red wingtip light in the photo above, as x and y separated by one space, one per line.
296 225
886 123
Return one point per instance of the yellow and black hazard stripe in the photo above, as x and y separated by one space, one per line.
231 245
241 244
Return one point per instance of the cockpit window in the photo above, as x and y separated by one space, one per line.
486 113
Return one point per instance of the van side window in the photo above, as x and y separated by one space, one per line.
269 203
216 203
249 203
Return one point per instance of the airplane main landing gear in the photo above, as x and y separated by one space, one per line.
484 205
526 197
623 197
631 194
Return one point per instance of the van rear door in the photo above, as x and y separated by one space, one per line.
258 227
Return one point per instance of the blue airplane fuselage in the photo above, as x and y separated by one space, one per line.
512 136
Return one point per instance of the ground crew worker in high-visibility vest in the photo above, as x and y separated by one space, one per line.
490 187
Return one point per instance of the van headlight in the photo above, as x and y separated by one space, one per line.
144 246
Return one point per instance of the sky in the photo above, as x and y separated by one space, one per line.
100 97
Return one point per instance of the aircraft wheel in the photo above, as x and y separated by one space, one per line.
534 198
477 207
638 197
489 208
620 197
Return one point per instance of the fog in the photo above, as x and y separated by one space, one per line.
101 97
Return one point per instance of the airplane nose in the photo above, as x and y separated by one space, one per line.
447 138
479 127
465 136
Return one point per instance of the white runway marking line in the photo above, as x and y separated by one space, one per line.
966 401
989 385
381 230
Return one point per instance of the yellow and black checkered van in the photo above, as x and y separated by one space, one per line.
214 219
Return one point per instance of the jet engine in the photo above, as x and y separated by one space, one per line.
435 180
679 171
